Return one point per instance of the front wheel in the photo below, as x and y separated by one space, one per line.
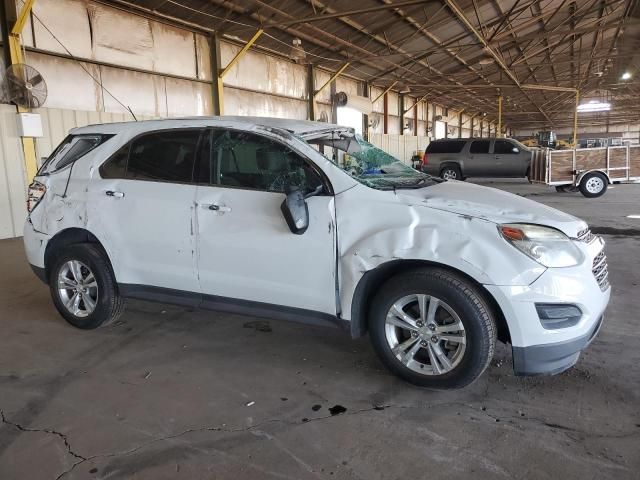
432 328
593 185
83 287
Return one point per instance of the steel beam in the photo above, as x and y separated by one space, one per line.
15 56
330 81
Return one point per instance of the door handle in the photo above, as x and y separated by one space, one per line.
217 208
112 193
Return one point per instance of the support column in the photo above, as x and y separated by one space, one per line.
311 89
365 118
385 114
575 121
460 125
499 132
14 24
415 118
216 68
402 112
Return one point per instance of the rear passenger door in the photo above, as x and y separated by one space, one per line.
508 160
481 163
141 209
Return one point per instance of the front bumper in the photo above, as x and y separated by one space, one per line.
551 358
538 350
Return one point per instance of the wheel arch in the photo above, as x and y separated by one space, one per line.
66 237
581 176
451 163
372 280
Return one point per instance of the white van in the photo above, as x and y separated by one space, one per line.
252 216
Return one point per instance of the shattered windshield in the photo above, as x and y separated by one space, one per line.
370 165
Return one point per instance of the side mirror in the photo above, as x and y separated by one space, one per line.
295 211
515 150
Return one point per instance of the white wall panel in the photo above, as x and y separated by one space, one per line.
240 102
174 50
71 27
256 71
321 77
393 103
203 57
400 146
143 93
187 98
68 84
13 192
378 105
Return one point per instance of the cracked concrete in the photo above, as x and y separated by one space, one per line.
168 392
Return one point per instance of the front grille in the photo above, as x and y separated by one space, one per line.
585 236
600 271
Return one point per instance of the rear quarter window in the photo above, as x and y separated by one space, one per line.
447 146
72 148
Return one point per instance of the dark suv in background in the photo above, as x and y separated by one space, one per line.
460 158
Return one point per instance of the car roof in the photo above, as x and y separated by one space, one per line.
298 127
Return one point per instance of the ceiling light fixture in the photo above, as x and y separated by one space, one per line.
594 106
626 75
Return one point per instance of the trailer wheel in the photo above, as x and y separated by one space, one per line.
593 185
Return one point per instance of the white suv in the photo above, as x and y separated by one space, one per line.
307 221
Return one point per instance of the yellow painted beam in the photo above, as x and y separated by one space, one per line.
384 93
15 54
22 17
328 82
240 54
415 103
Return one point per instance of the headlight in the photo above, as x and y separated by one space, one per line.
546 245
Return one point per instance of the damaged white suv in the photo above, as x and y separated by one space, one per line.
307 221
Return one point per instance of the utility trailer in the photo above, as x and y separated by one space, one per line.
589 170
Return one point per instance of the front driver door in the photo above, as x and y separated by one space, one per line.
246 252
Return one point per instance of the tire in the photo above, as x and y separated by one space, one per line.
593 185
97 286
451 173
455 294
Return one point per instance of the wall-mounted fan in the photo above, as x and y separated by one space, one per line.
25 86
374 121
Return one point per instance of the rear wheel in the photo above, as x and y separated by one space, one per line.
432 328
451 173
593 185
83 287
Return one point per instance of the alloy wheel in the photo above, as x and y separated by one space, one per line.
425 334
77 288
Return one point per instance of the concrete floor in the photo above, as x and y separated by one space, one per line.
168 393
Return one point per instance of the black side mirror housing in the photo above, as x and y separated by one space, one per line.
295 211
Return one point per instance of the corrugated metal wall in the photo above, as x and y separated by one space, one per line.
13 191
400 146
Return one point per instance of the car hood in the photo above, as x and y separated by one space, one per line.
493 205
